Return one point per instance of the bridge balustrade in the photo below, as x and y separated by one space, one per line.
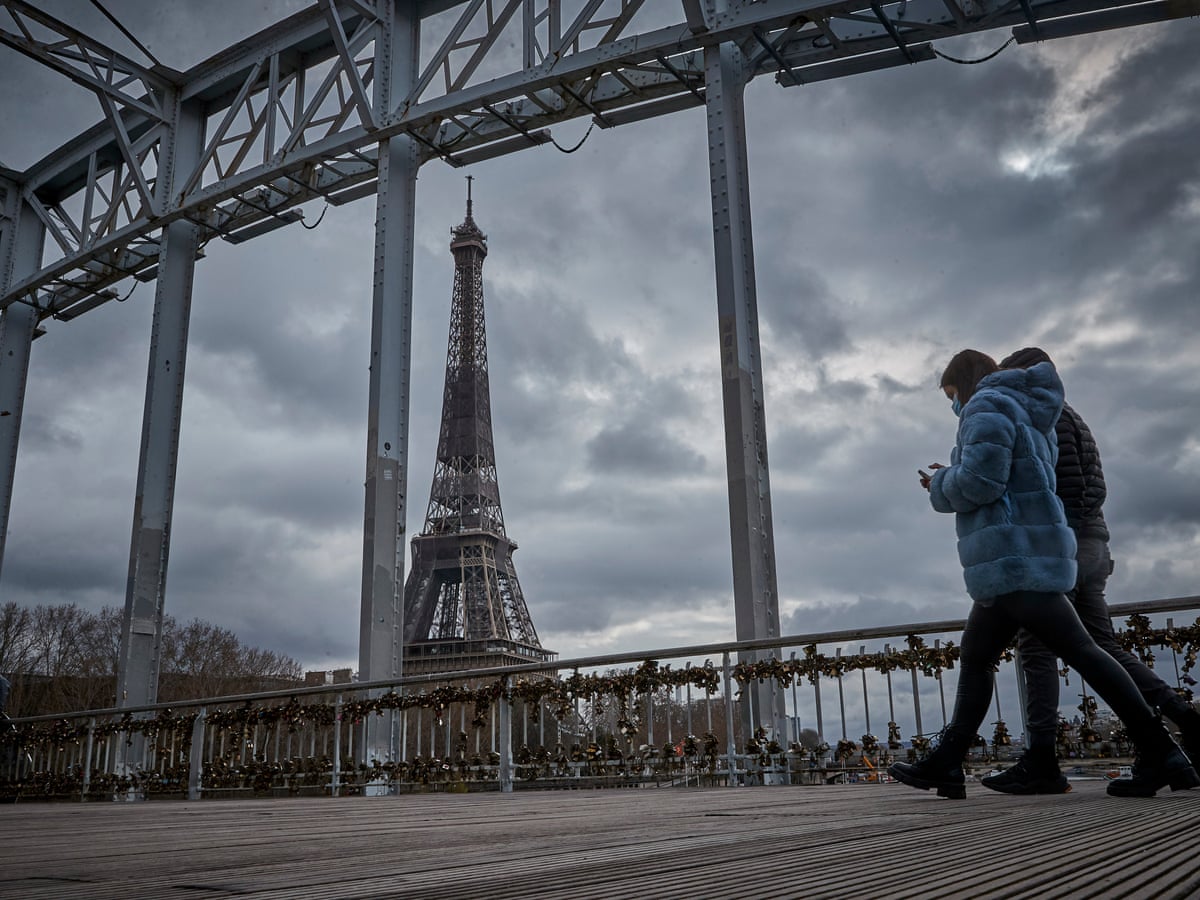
670 717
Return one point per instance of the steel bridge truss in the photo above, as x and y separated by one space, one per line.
349 98
290 114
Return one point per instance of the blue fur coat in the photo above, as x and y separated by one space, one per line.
1012 531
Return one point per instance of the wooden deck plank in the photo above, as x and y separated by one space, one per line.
811 841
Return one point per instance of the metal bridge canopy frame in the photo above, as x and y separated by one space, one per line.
335 103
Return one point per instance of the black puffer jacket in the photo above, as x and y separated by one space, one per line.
1080 476
1078 471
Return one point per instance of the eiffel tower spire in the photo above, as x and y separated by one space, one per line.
463 589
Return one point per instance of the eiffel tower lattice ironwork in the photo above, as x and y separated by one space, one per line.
463 605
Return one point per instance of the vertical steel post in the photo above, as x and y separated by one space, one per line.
820 712
1022 696
21 245
196 756
755 595
1174 655
795 704
862 652
689 706
670 729
730 746
337 746
942 684
841 694
87 760
504 715
145 590
916 700
887 651
381 625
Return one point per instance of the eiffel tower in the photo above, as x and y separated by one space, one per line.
463 606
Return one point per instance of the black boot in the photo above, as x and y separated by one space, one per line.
941 770
1036 772
1159 763
1188 721
1191 746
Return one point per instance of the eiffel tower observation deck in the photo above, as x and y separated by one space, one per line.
463 605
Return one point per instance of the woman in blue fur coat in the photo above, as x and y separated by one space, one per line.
1018 558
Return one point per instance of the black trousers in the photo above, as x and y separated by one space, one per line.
1040 665
1052 619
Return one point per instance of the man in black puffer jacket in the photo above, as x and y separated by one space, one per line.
1082 491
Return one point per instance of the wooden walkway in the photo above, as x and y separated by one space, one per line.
852 842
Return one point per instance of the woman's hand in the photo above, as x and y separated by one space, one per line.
926 478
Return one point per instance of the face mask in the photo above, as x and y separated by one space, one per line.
956 405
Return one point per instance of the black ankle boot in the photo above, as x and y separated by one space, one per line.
929 774
1161 764
1191 746
940 770
1036 772
1189 732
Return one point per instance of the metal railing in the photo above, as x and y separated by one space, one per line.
674 718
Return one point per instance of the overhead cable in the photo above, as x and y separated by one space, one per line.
125 31
974 62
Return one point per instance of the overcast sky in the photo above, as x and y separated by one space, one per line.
1050 196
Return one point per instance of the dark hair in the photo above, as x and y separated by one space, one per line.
966 370
1024 358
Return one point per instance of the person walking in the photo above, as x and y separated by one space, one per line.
1079 478
1018 558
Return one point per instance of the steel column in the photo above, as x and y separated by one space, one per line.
380 624
755 596
21 244
145 593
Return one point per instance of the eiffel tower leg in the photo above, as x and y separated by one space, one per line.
381 625
755 597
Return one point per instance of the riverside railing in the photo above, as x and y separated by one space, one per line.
670 717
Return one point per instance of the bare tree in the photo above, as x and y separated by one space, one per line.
15 638
64 658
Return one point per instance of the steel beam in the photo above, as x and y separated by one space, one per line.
755 595
21 245
381 616
141 625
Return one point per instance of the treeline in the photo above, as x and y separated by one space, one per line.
64 658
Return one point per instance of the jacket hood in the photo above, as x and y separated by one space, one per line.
1038 390
1025 358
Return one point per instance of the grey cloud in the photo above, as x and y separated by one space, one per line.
642 449
868 612
45 433
803 308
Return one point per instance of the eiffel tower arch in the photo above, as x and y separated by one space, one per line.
463 604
